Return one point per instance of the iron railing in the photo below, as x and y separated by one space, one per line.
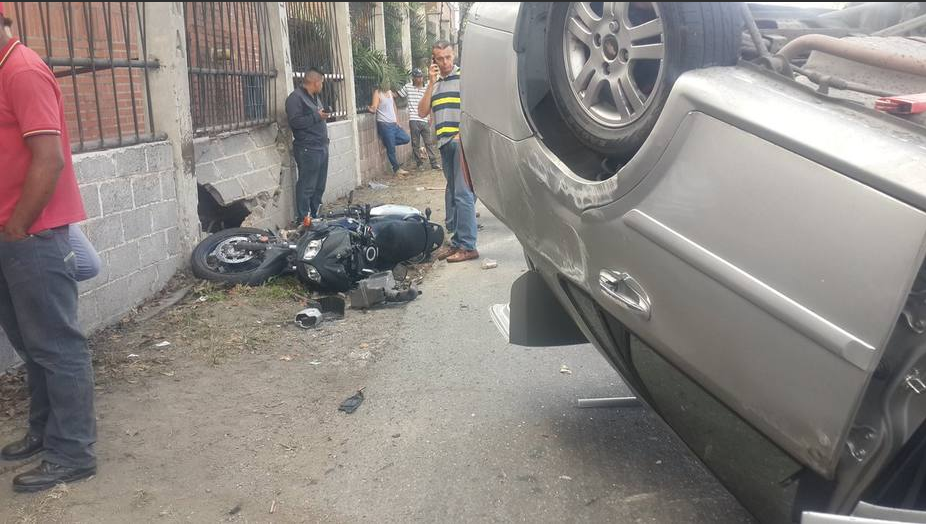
361 23
231 65
314 43
363 89
98 52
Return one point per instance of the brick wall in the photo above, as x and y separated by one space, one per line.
131 204
373 160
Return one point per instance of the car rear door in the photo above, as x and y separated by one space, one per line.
767 277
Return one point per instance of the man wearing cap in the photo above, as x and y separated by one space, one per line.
418 125
39 199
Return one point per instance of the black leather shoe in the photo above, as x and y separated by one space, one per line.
22 448
49 475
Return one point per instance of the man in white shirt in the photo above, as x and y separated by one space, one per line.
419 128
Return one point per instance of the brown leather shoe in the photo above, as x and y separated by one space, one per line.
463 255
446 252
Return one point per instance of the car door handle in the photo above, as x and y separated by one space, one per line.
626 291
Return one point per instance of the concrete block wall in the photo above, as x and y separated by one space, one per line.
373 161
249 166
131 202
342 169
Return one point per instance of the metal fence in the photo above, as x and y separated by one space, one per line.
363 89
231 65
313 42
98 53
361 23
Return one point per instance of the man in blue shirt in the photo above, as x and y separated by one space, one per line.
307 119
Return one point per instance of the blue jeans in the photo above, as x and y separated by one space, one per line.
459 199
313 176
392 135
38 313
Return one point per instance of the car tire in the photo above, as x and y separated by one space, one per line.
693 35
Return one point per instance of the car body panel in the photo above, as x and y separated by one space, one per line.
712 217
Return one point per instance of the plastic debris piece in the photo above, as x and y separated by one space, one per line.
564 369
309 318
162 344
352 403
489 264
132 355
565 477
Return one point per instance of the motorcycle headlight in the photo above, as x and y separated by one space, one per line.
312 250
313 274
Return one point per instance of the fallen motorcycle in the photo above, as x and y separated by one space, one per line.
329 254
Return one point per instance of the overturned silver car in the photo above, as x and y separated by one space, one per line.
729 201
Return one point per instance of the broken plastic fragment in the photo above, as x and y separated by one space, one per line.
352 403
162 344
564 369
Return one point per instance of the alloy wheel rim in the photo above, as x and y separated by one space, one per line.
614 56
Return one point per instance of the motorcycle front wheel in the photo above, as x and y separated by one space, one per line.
218 259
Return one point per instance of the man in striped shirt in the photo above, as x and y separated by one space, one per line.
442 99
417 125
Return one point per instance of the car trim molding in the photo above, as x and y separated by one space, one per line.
825 333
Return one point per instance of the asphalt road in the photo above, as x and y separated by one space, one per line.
487 432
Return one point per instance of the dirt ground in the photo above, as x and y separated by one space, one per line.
175 442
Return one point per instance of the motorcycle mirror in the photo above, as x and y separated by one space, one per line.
427 213
350 197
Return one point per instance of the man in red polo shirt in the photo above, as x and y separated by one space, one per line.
39 198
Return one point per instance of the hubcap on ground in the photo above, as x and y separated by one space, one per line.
614 55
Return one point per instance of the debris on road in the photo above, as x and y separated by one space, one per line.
309 318
564 369
352 403
332 307
489 264
286 358
565 477
132 355
235 510
273 507
377 186
314 362
380 288
162 344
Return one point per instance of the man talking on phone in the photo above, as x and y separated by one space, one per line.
307 118
442 98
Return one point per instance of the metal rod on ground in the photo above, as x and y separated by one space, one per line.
610 402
